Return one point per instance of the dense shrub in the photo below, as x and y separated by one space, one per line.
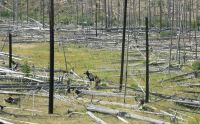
196 65
5 13
26 69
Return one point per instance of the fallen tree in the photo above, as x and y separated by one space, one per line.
185 76
104 110
103 94
129 106
98 120
5 122
188 103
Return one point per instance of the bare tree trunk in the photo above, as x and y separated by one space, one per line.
169 10
109 13
161 15
127 57
195 37
27 10
105 12
180 33
118 14
82 15
197 14
91 11
171 42
149 13
185 27
190 24
96 17
134 14
43 13
15 11
77 14
139 15
20 10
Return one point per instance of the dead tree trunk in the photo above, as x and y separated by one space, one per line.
171 41
27 10
160 4
139 20
105 14
115 112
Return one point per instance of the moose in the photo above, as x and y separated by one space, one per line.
93 77
2 107
12 100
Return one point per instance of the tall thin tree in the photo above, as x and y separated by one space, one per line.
123 46
51 81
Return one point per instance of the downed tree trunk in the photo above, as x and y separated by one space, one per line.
41 85
98 120
123 120
23 109
189 91
103 94
25 122
189 75
174 97
13 56
20 78
5 122
20 93
110 103
191 85
104 110
189 104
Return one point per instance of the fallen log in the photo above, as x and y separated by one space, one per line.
19 93
5 122
25 122
23 109
115 112
14 56
20 78
6 70
98 120
189 104
70 113
103 94
168 97
191 85
174 97
129 106
123 120
189 75
193 92
42 85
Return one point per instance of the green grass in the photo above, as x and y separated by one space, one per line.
167 33
81 59
78 57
